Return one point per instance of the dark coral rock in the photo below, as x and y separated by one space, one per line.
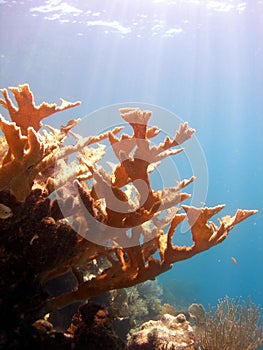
31 243
94 331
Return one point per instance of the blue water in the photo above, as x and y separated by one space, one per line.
202 60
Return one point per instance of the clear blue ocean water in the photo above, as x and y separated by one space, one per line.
201 60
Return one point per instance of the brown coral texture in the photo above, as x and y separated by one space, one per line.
118 217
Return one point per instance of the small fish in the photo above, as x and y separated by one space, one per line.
5 211
234 260
202 203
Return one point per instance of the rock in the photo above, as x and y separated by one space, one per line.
169 333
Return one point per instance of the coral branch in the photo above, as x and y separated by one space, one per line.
113 226
26 113
19 171
206 235
140 265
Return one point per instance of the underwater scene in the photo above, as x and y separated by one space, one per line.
131 167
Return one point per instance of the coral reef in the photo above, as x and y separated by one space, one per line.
168 309
232 325
31 243
94 330
26 150
130 307
53 209
144 302
197 312
169 333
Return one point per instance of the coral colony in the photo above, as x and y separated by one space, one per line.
38 240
